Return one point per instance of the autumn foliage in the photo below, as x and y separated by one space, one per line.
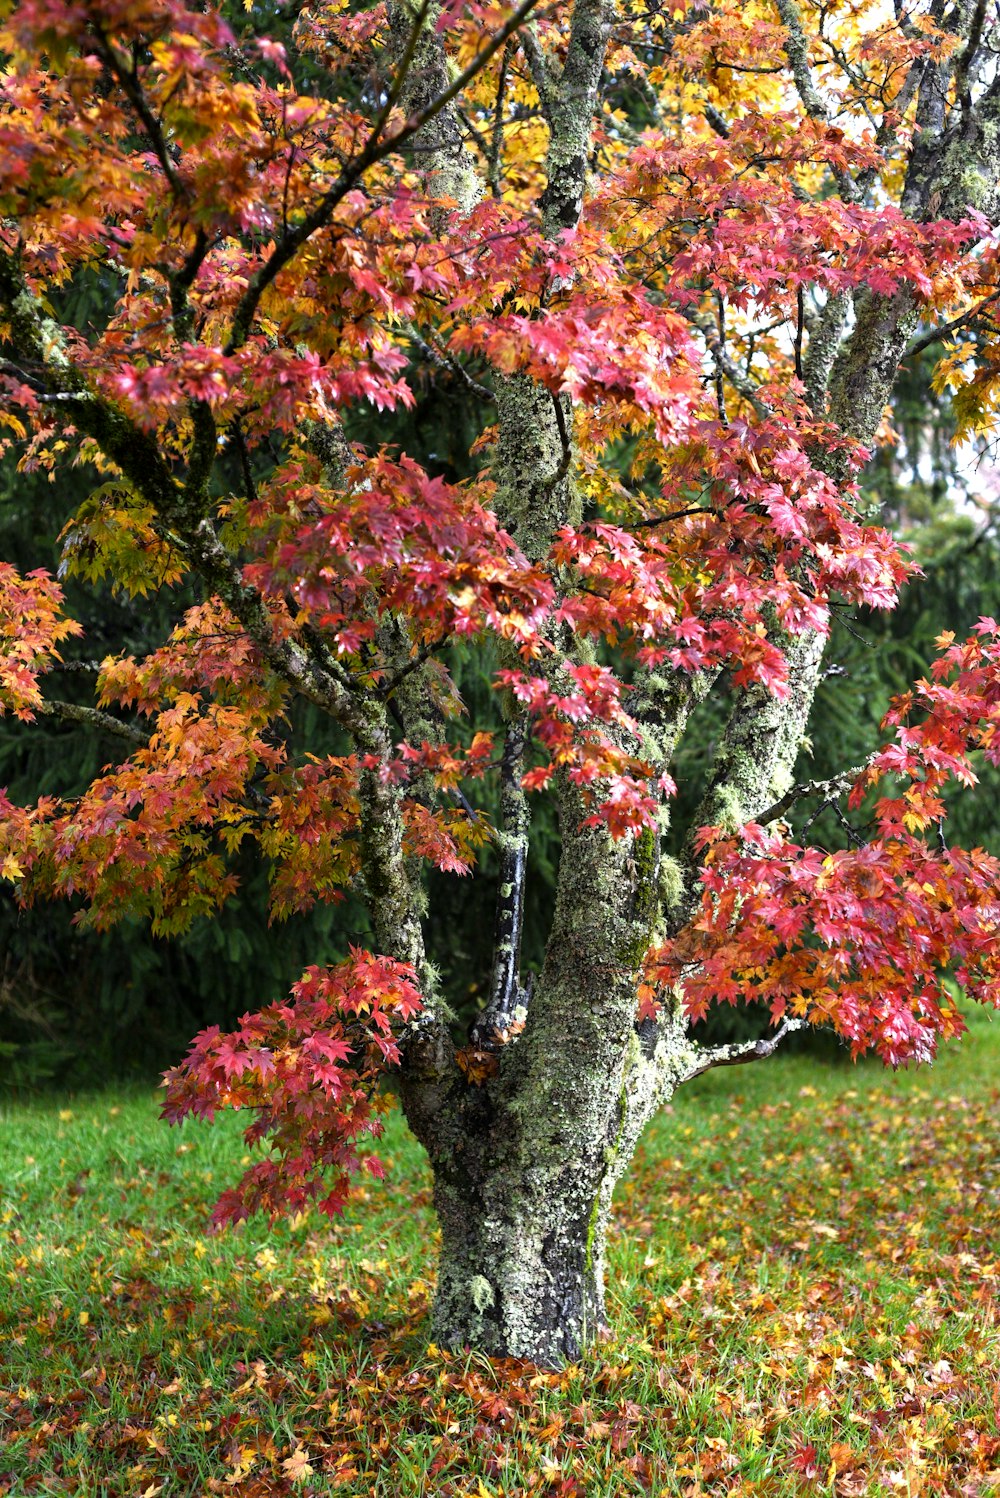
278 256
308 1068
861 937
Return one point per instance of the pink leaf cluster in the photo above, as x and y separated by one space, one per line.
309 1069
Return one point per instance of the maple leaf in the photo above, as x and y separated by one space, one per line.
298 1467
805 1460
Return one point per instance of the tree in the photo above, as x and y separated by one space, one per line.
678 262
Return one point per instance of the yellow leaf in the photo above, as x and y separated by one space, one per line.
297 1466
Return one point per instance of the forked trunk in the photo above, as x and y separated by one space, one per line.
525 1160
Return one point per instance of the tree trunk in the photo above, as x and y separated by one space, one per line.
525 1162
524 1212
520 1269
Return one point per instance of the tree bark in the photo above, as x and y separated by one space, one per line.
521 1261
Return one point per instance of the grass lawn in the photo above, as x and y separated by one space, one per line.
803 1280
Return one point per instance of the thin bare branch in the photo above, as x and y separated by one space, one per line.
495 153
808 790
73 712
445 362
964 320
740 1053
740 382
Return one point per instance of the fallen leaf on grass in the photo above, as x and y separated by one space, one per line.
297 1466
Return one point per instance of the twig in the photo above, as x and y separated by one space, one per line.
828 789
644 525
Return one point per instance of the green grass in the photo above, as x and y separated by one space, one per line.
804 1282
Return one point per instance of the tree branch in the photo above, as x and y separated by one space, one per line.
760 743
825 338
375 150
75 665
717 121
93 717
797 52
506 993
571 116
446 362
402 69
539 70
829 790
495 153
739 1054
964 320
128 81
